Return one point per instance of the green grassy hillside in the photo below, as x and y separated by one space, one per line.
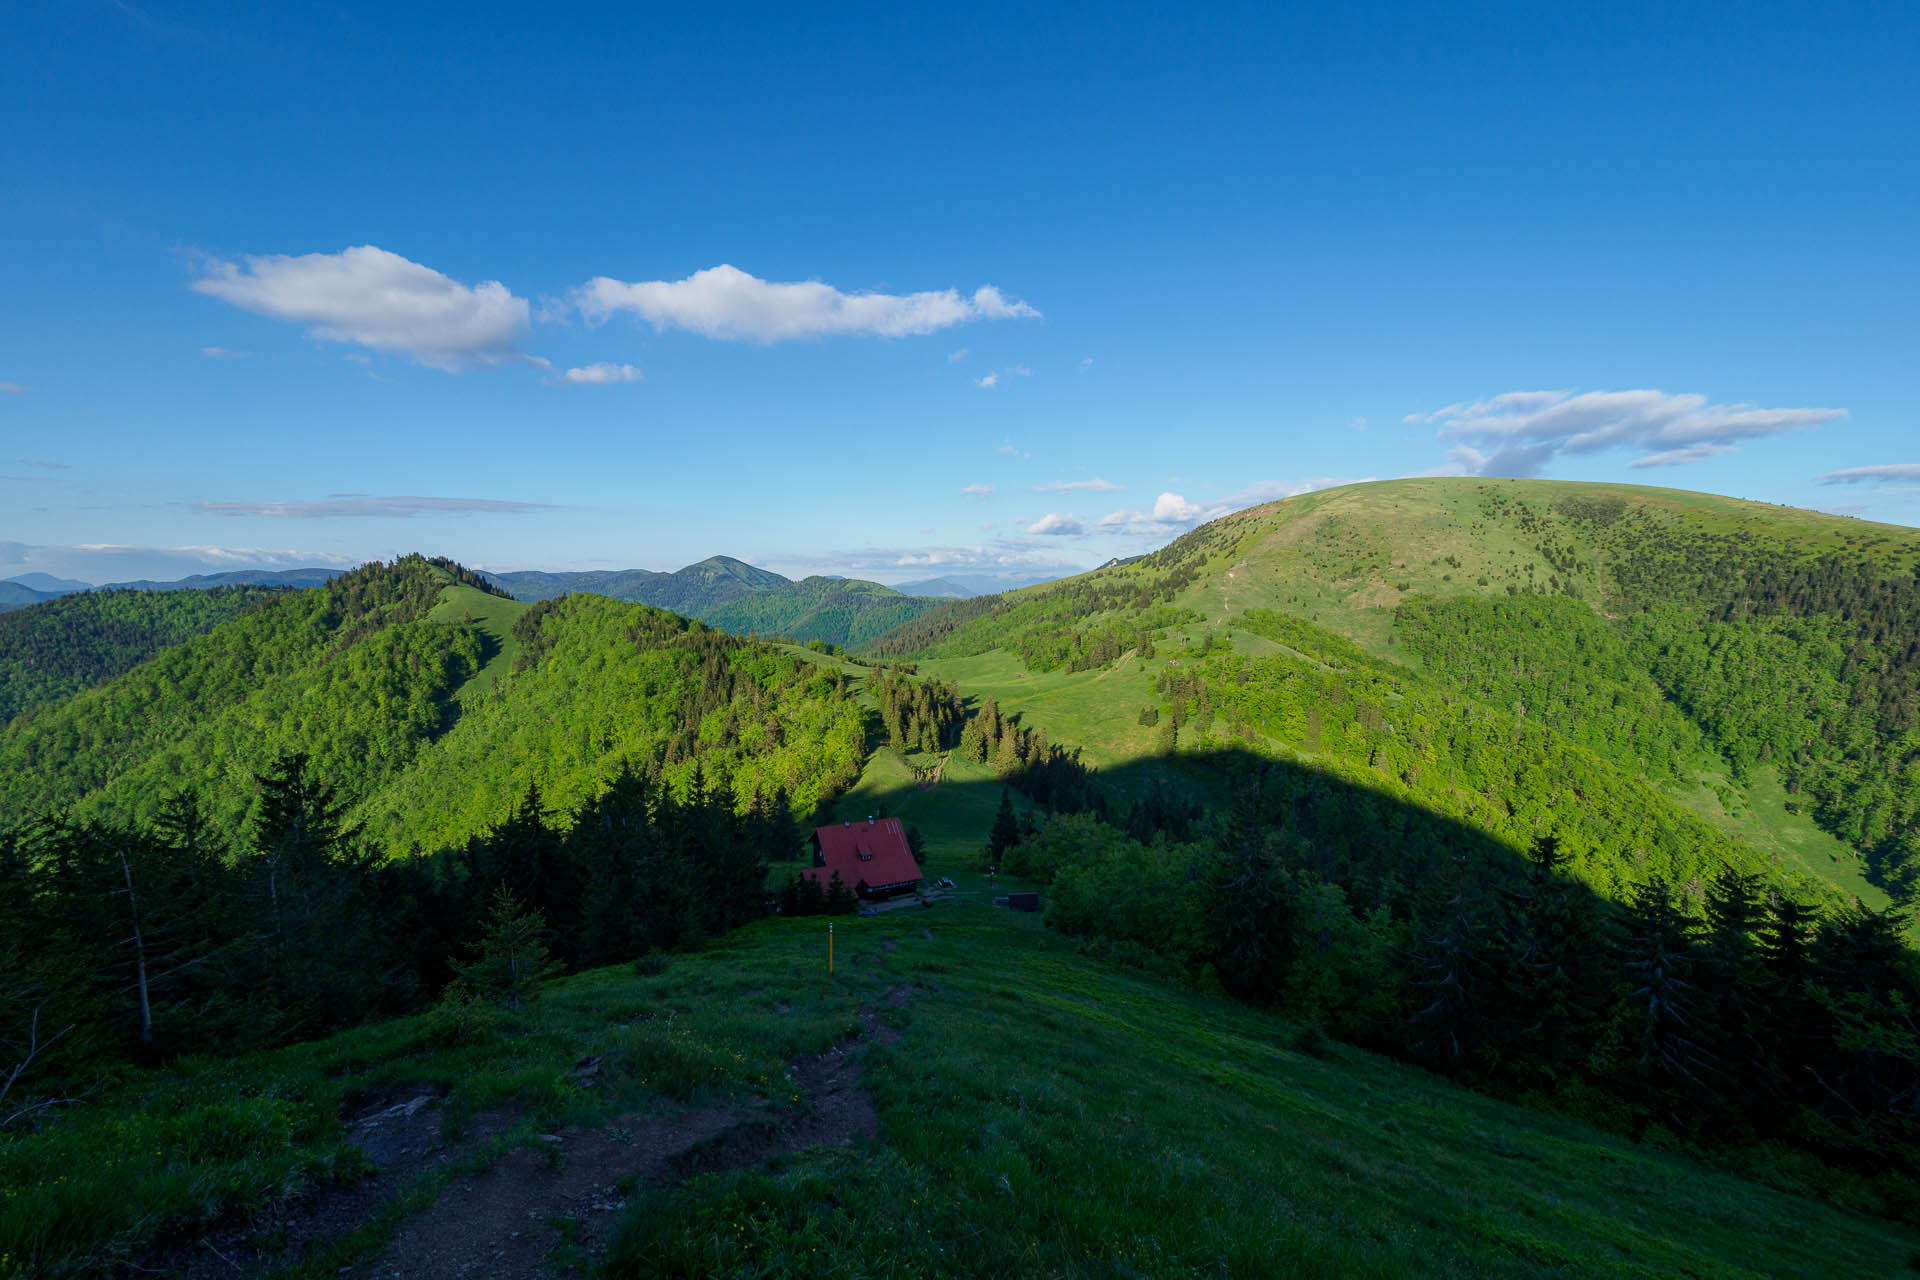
1694 642
1034 1112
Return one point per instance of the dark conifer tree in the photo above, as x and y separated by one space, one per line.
1006 830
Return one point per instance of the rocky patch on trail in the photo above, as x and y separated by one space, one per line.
397 1131
568 1187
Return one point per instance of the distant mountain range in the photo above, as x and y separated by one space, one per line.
738 597
50 585
729 593
965 586
32 588
709 584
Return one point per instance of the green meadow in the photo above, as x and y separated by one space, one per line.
1040 1113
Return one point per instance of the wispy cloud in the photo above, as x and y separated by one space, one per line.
1680 457
353 506
1057 524
727 303
1086 364
1020 371
1095 485
118 562
1008 447
1009 556
1520 432
368 297
222 353
978 491
1891 473
42 464
957 356
603 374
14 388
987 382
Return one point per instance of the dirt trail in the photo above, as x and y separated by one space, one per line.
504 1222
400 1135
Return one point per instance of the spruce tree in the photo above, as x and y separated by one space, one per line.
511 959
1006 830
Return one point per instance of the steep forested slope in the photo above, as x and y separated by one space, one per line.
600 682
352 673
53 649
373 679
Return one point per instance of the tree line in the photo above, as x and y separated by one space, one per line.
143 942
1729 1015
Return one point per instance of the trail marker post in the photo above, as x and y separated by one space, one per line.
829 946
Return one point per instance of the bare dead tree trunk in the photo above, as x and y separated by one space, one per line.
139 954
32 1050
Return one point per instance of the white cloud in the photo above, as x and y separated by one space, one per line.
1174 514
371 298
1007 446
1892 473
602 374
997 555
1056 524
988 382
1020 370
14 388
978 491
957 356
725 302
1462 460
1525 430
1086 364
222 353
1095 485
43 464
361 505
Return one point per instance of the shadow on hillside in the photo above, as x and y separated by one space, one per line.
1344 830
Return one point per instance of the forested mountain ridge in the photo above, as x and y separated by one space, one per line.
836 611
60 646
739 597
310 577
352 673
710 583
1725 650
17 595
430 719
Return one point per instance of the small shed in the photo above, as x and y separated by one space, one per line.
872 857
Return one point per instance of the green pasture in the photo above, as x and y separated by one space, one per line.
1042 1113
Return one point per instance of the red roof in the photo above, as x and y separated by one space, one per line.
873 853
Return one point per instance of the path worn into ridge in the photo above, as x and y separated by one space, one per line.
504 1222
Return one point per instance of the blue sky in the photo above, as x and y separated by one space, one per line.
897 294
